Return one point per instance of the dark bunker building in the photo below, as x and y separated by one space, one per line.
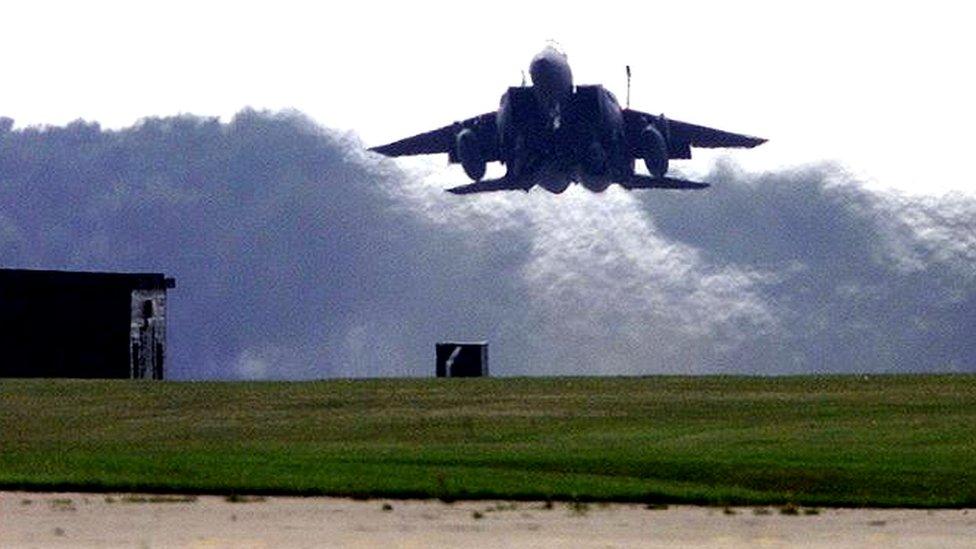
82 324
461 359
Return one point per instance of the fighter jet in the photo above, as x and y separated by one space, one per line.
553 133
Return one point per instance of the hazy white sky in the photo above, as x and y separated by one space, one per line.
887 89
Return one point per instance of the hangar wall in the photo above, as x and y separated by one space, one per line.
83 324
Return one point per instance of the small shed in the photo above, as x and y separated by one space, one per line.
83 324
462 359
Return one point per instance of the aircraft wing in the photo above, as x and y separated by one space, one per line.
701 136
682 135
442 140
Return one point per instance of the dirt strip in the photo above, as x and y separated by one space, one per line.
134 520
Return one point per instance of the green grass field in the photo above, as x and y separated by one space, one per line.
830 441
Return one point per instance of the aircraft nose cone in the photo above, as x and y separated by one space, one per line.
538 69
550 70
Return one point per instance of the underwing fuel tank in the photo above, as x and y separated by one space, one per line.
655 150
469 153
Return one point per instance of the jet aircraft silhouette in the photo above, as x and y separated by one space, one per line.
553 133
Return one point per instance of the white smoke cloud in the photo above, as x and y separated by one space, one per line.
300 255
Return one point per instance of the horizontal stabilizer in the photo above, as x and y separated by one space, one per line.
638 181
635 181
488 185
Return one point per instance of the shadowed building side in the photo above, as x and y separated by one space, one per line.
83 324
459 359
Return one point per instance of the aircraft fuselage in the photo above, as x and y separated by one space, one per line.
551 133
552 81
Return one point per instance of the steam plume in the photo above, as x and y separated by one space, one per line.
299 255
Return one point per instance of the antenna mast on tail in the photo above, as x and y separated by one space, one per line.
628 86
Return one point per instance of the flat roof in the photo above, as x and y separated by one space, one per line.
38 278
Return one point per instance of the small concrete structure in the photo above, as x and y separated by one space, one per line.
462 359
83 324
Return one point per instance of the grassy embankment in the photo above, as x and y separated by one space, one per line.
879 441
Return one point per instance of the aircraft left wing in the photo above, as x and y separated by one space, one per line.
682 136
443 140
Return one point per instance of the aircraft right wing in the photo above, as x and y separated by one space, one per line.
682 135
710 138
443 140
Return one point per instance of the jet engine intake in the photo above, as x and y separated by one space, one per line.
655 150
597 185
469 153
595 159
